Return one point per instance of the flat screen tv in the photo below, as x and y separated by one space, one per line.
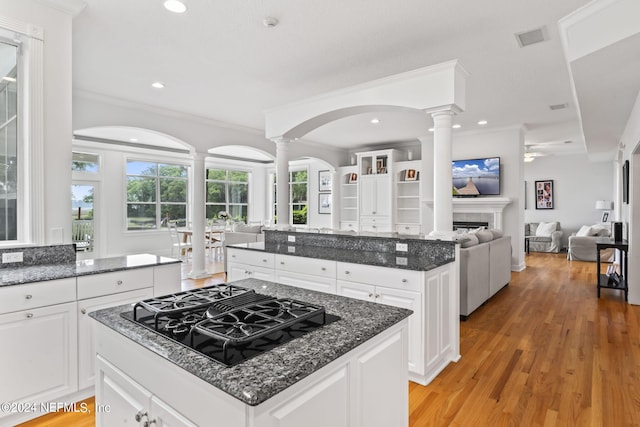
476 177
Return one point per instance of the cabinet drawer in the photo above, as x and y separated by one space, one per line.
96 285
259 259
306 281
380 276
408 228
40 294
349 225
312 266
378 219
376 228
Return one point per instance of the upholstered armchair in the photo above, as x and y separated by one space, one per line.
544 236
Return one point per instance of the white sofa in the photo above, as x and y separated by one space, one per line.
582 245
241 233
485 267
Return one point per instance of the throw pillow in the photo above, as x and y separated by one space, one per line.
546 228
496 233
584 231
484 236
469 240
601 230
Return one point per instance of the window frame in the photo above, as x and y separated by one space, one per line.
226 182
274 203
158 202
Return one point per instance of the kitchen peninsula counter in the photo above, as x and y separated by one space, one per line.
48 271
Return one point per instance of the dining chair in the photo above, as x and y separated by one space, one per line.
214 244
183 248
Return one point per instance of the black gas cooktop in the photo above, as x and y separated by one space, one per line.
228 323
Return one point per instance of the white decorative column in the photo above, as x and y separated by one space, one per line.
198 267
282 181
442 179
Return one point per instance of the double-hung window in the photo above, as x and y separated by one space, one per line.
298 196
156 194
227 191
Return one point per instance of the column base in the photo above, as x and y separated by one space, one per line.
199 274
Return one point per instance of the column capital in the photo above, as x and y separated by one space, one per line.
200 156
282 139
443 113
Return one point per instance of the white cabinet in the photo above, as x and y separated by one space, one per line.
86 341
407 197
349 198
375 195
308 273
39 354
399 296
130 403
245 264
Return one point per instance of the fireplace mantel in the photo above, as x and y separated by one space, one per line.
479 205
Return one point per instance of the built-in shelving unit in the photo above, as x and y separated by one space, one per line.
349 178
407 197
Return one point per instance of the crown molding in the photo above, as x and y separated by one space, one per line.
70 7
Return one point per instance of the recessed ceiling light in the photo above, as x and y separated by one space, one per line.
157 85
529 159
133 139
482 122
456 126
431 129
270 22
9 79
175 6
375 121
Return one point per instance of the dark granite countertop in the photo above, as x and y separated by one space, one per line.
44 272
268 374
401 260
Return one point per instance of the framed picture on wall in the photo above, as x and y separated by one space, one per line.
544 194
324 180
324 203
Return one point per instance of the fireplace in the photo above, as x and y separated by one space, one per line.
469 224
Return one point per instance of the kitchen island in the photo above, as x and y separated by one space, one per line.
417 274
352 371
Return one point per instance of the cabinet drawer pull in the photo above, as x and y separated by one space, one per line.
324 269
281 262
374 212
370 295
377 295
404 280
28 296
233 256
140 415
264 260
83 311
406 228
148 423
119 282
347 272
29 315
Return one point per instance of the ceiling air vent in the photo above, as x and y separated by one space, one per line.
531 37
558 106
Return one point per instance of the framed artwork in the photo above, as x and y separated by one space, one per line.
353 178
379 165
324 180
410 175
324 203
605 216
544 194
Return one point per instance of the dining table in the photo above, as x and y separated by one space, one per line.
213 235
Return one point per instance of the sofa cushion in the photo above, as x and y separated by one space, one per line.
496 233
546 228
540 239
469 240
244 228
586 230
484 236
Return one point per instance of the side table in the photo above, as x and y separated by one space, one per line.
603 279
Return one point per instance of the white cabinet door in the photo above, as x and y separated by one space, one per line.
411 301
307 281
128 401
356 290
384 367
367 196
383 196
86 342
163 415
237 271
39 354
167 279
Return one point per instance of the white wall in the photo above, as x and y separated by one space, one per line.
630 213
577 184
57 108
508 144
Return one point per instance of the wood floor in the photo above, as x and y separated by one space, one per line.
545 351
